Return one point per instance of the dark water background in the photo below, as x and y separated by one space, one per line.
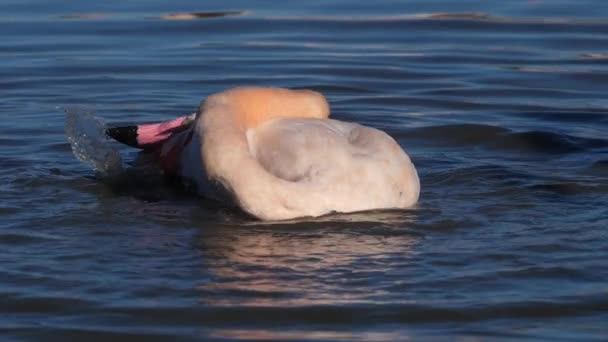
501 104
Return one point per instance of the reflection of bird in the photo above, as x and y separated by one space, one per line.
308 263
276 154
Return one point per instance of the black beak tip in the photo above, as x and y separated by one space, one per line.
125 134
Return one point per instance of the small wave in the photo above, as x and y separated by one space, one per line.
37 304
570 188
20 239
587 116
536 69
368 313
199 15
538 272
467 175
84 16
371 218
451 16
545 142
595 55
474 16
600 165
458 134
500 138
171 16
84 332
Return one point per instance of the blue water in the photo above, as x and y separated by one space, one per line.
501 104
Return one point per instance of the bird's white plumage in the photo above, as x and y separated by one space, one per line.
288 165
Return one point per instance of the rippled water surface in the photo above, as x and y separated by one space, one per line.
502 105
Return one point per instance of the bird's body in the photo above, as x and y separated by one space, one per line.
276 154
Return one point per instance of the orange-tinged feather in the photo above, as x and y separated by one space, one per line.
253 106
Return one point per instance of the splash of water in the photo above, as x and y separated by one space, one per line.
86 134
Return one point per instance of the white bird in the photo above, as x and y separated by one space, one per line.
276 154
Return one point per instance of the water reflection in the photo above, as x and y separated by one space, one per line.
298 335
329 260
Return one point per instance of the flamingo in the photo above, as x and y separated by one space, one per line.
277 155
